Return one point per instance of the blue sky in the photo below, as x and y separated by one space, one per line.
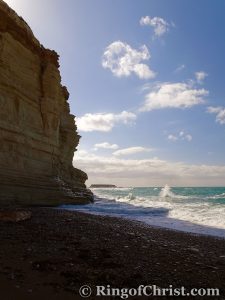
146 85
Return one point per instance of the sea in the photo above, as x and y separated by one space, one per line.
198 210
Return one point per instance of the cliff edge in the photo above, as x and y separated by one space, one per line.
38 135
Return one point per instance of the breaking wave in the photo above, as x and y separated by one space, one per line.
187 209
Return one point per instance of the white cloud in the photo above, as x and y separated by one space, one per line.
180 136
160 26
104 121
172 137
181 133
200 76
106 145
147 172
130 150
173 95
220 113
123 60
82 152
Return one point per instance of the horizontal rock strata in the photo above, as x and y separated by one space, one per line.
38 134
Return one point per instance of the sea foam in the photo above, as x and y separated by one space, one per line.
197 210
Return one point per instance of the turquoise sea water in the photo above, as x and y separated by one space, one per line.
191 209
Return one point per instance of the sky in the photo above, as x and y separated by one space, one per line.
146 83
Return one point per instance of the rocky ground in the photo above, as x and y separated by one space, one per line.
55 252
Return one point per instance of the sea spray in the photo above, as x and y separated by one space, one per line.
166 192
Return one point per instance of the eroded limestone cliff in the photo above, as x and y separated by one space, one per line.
38 134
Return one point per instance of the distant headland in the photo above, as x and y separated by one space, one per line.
102 186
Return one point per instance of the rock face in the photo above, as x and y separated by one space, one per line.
38 134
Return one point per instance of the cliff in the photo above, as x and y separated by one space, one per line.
38 135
